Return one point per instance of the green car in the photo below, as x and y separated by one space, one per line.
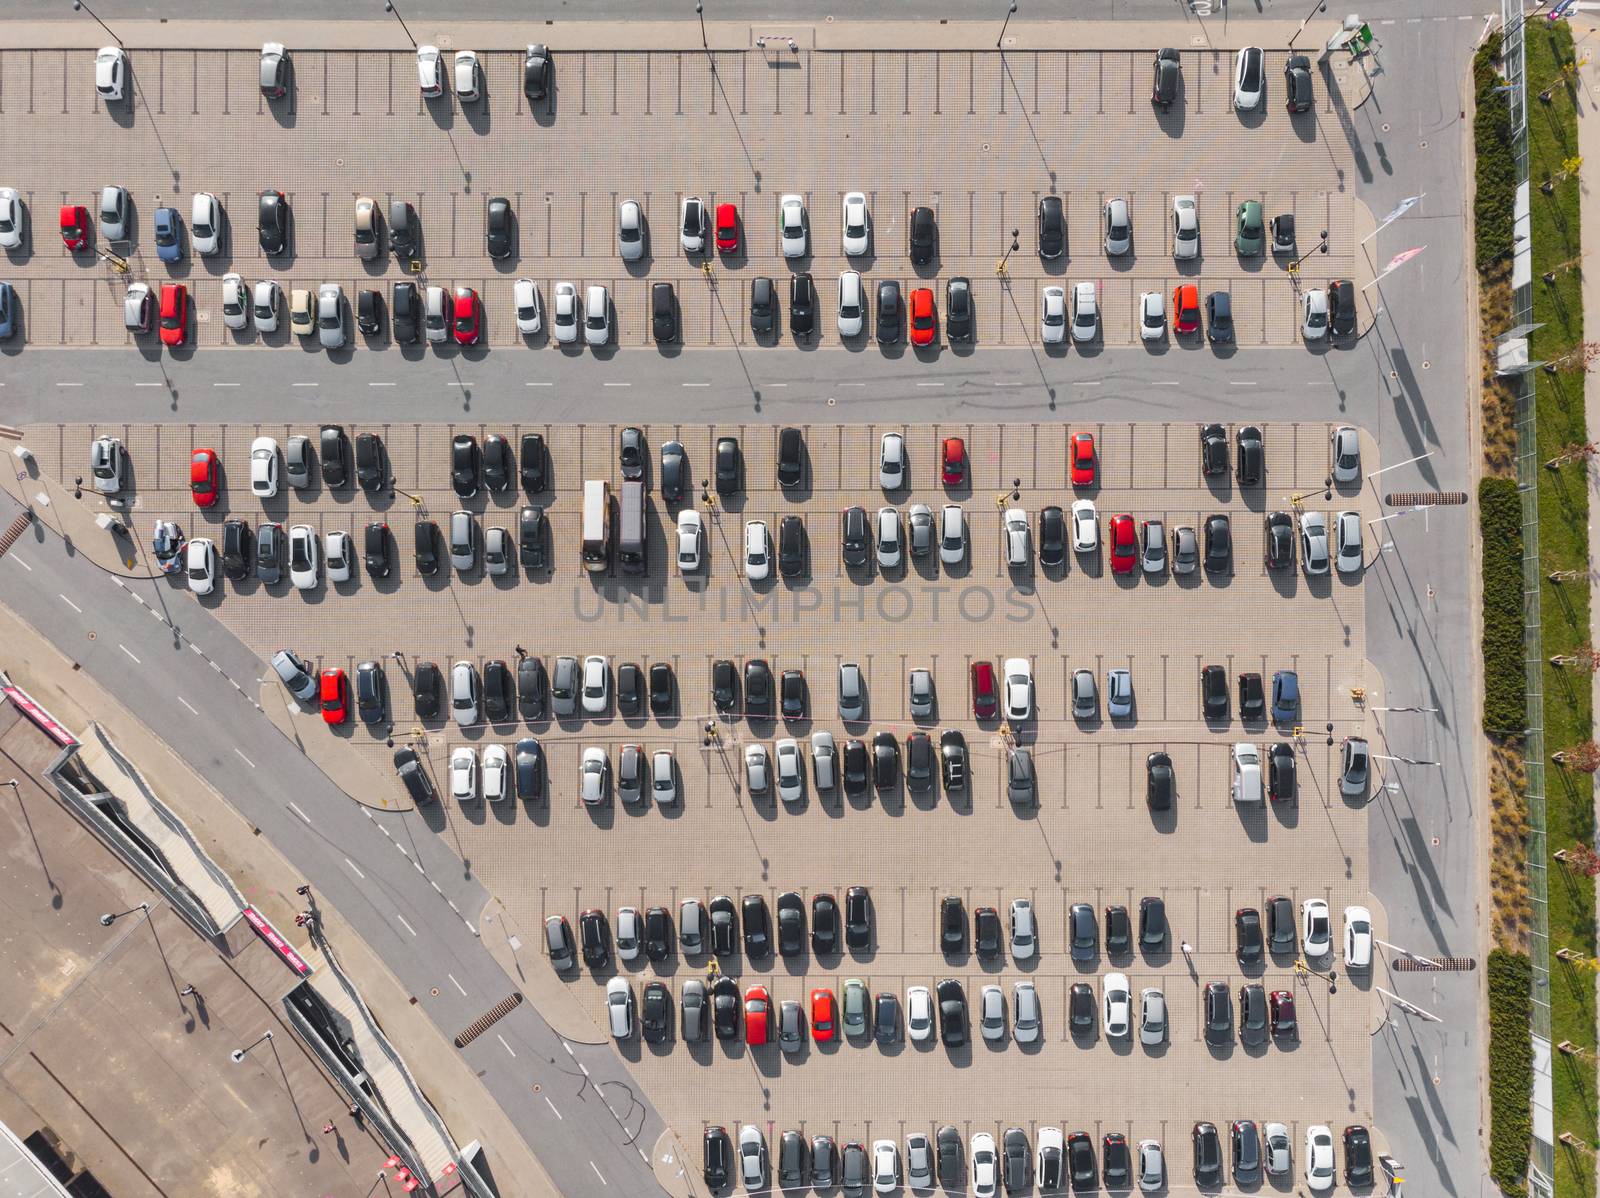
855 1007
1250 231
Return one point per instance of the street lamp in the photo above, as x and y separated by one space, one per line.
80 6
1320 248
111 917
1013 12
389 7
1425 962
700 11
1321 6
1015 246
237 1055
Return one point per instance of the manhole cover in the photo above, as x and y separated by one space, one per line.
985 147
202 317
338 162
434 992
831 401
1422 145
1426 363
91 636
1386 126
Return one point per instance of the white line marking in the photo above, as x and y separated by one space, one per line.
196 648
119 582
128 651
503 1043
355 867
695 384
147 384
616 384
774 384
1086 384
568 1047
1233 383
404 924
305 384
297 811
69 603
22 563
187 704
930 384
852 384
584 1068
224 384
1164 383
456 984
246 760
380 384
69 384
997 383
552 1107
599 1174
539 385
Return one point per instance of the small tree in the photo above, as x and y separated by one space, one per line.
1583 658
1570 167
1573 451
1581 356
1583 757
1568 575
1581 859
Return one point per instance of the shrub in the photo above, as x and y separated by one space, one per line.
1510 1068
1504 683
1494 206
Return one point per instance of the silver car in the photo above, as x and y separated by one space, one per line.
137 308
297 462
330 315
463 541
1152 1016
235 301
1025 1017
952 535
1314 542
1119 692
464 693
919 529
108 465
992 1013
1347 542
1346 454
852 692
824 761
630 231
1085 702
1119 227
114 213
921 693
1185 550
596 684
267 302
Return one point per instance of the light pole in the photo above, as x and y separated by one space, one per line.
1011 13
1320 247
1408 1007
111 917
237 1055
80 6
1321 6
389 7
1408 954
700 11
1015 246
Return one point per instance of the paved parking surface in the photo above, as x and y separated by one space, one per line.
1076 124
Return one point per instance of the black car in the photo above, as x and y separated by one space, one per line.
269 553
919 761
464 465
1280 541
1219 544
885 761
1250 457
406 312
1083 933
952 924
371 466
1214 692
1014 1156
1213 450
886 1017
792 1160
1152 923
953 760
890 318
536 85
1283 233
728 466
1119 931
792 692
375 548
1080 1009
757 925
763 306
427 547
1116 1162
530 537
1207 1154
595 936
497 227
1080 1162
1245 1140
716 1151
802 305
1297 83
757 689
657 933
724 925
532 687
986 931
663 313
1052 1168
416 780
1342 307
497 698
497 465
372 692
674 478
630 689
948 1151
855 766
533 463
236 539
1159 782
661 688
857 917
724 684
1252 697
952 1013
1052 536
791 458
1357 1156
725 1009
922 236
853 536
1219 317
425 690
369 310
1252 1014
273 222
1164 90
1280 925
1280 772
655 1013
333 448
792 547
528 759
1247 941
631 452
958 313
1052 227
824 924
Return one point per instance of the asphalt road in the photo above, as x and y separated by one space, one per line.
159 668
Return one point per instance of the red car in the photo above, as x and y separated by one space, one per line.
467 326
985 695
823 1020
1124 552
1186 307
953 462
727 228
1083 459
1281 1004
203 471
174 314
757 1006
922 316
334 708
75 226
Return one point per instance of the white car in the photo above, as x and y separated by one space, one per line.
1314 323
1357 938
267 302
1249 79
952 534
1053 316
1153 553
1275 1149
852 307
752 1159
1018 539
1185 228
792 225
1085 312
10 219
1246 784
596 684
1085 526
235 302
663 777
463 774
888 538
1119 692
689 534
264 467
340 552
1152 316
1152 1166
992 1012
1319 1158
114 205
436 309
565 318
596 315
854 221
892 461
757 550
525 297
330 315
1347 550
428 71
1117 1017
692 225
1024 932
205 224
919 1161
1316 928
791 771
1314 542
108 465
757 773
594 774
1346 454
919 1014
1051 1145
201 564
303 557
137 308
630 231
110 72
619 1012
1019 688
496 774
466 76
885 1167
985 1166
1152 1016
629 933
464 694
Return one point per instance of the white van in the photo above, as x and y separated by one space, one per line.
1246 773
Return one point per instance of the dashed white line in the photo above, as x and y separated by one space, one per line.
539 385
694 384
616 384
583 1068
224 384
1086 383
774 384
599 1174
553 1110
69 603
22 563
196 648
187 704
305 384
355 867
296 809
147 384
456 984
851 384
404 924
1164 383
380 384
930 384
129 652
568 1047
1236 383
503 1043
998 383
69 384
250 763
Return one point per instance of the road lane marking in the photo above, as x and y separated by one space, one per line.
1086 384
404 924
129 652
380 384
774 384
616 384
69 384
1235 383
187 704
1165 383
539 385
305 384
599 1174
248 762
583 1067
695 384
224 384
69 603
568 1047
147 384
355 867
553 1110
930 384
503 1043
22 563
456 984
295 808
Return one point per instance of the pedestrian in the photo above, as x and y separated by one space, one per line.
1187 948
327 1129
188 992
355 1113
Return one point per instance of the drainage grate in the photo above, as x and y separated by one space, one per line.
1426 499
1434 965
493 1016
14 530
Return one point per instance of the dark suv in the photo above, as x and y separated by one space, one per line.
853 536
923 236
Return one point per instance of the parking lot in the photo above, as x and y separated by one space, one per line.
1090 838
1075 124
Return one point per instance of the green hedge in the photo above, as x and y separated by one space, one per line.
1510 1069
1504 683
1494 206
